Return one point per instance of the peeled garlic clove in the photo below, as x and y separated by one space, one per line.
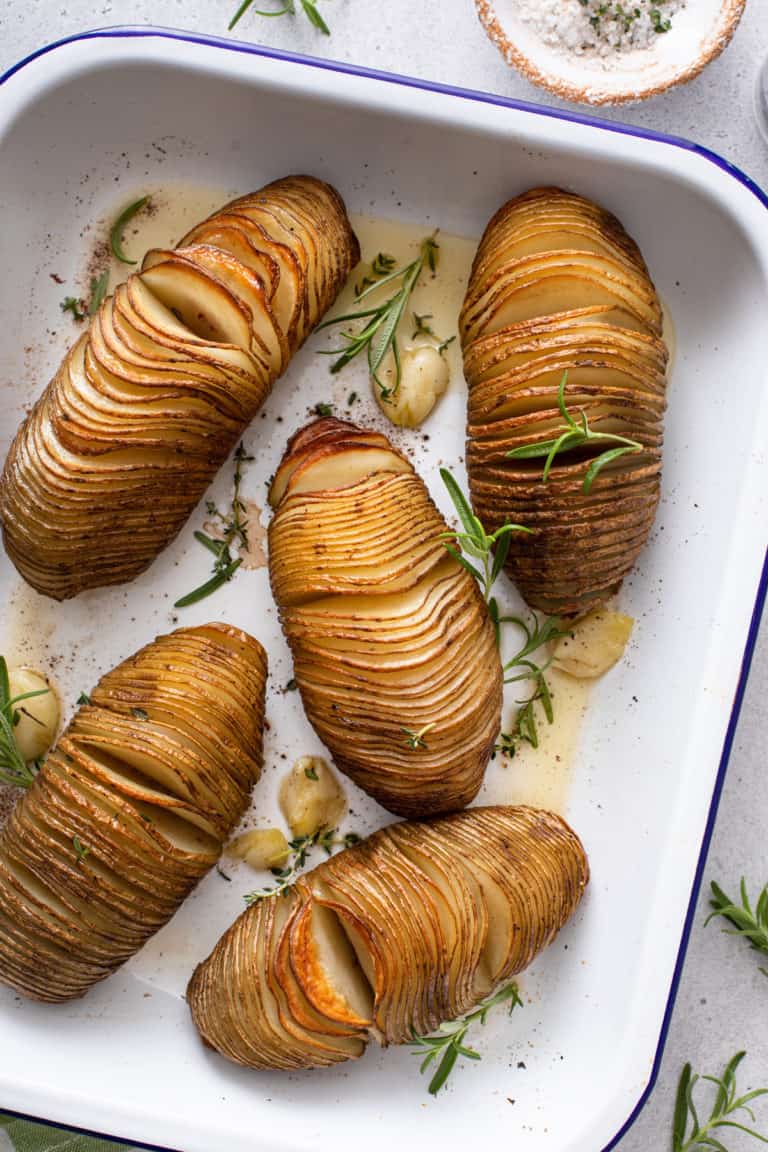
423 380
260 848
311 797
38 717
596 643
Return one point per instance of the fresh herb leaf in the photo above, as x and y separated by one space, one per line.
116 232
421 327
475 541
14 770
234 529
753 925
301 847
378 335
352 399
538 633
445 1047
72 304
311 773
324 409
575 435
309 7
81 850
98 292
688 1133
381 266
83 698
416 739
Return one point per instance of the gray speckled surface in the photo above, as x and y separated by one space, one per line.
722 1002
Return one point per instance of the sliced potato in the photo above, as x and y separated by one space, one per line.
390 635
150 401
130 809
408 929
595 644
558 290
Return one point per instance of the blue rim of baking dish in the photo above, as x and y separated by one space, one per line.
131 33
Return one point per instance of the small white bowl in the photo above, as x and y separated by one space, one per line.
699 33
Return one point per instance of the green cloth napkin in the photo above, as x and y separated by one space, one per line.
22 1136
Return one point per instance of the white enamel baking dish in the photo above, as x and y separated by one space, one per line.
105 112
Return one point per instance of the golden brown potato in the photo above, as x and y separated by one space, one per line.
394 652
130 809
410 928
557 286
152 398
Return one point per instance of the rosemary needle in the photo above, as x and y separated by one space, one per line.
116 233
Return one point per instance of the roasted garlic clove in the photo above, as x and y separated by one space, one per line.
260 848
595 643
388 939
559 295
389 634
311 798
153 397
130 809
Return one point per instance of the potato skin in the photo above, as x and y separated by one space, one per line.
557 286
97 855
422 967
150 401
390 635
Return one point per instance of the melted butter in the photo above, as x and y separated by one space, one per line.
540 776
440 297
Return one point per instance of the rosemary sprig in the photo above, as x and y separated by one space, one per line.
378 336
575 435
539 633
72 304
688 1133
301 848
416 739
748 923
309 7
234 529
14 770
448 1044
475 541
116 232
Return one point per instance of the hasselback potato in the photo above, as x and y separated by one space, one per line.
130 809
393 649
559 296
411 927
152 398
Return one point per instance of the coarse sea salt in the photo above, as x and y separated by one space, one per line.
599 28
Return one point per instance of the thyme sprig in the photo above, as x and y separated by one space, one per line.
689 1134
490 550
14 770
380 266
575 435
78 308
234 531
118 228
448 1043
539 633
753 925
325 838
309 8
378 335
416 739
